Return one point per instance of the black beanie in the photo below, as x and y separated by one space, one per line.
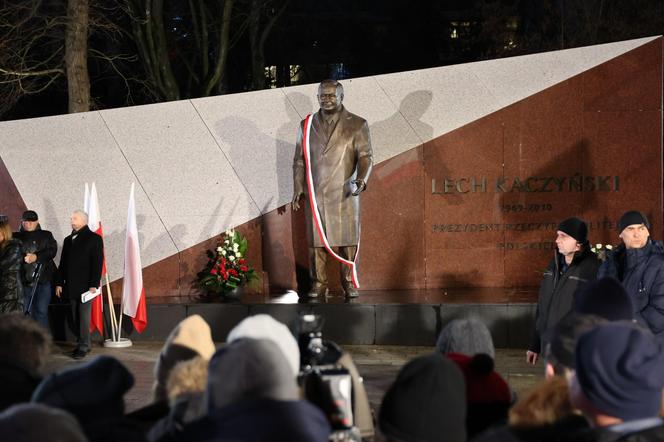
426 402
575 228
90 391
605 297
632 217
619 369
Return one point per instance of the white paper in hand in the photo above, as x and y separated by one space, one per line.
87 296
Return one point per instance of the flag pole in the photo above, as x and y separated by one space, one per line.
111 312
120 342
91 202
121 314
86 198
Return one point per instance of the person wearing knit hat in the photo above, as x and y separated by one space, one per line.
87 390
94 393
575 228
190 338
266 327
631 218
251 395
426 402
487 394
186 387
246 368
572 266
618 381
468 336
638 263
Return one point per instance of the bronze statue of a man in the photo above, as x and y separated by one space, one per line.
341 160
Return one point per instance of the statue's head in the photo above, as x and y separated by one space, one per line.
330 96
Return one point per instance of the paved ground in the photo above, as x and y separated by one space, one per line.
378 365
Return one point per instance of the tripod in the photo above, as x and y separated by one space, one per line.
35 278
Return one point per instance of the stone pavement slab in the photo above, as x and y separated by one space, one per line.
377 364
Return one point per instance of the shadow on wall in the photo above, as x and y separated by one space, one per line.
390 175
271 161
54 225
266 153
156 247
293 233
288 131
208 228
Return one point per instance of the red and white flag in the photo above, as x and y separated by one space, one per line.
133 292
94 223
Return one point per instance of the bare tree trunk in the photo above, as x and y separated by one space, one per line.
147 23
224 46
76 55
171 89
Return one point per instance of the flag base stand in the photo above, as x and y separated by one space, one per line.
121 343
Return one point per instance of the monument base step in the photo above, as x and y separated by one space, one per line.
388 317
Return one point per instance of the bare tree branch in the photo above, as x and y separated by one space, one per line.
31 73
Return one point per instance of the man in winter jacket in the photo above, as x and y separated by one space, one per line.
639 264
39 248
573 265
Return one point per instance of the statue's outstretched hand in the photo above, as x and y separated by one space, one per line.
296 201
360 186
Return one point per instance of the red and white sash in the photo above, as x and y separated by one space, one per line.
314 205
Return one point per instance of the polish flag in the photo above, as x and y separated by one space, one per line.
133 292
94 223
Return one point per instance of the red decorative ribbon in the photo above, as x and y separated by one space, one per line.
314 206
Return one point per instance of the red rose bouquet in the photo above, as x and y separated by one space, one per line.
227 268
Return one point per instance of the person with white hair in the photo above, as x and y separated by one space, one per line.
80 271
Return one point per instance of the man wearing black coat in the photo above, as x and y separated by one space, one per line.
572 267
639 264
79 272
39 248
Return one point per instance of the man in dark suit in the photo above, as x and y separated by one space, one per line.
79 272
341 162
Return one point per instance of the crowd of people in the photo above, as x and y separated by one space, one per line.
603 382
598 334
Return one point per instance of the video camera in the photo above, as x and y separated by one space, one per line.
325 382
